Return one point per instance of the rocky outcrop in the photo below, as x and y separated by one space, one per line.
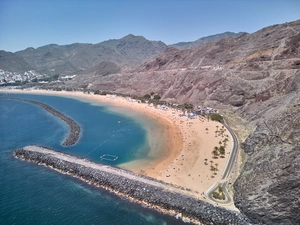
267 190
149 191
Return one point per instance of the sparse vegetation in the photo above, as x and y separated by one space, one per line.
215 152
205 161
220 194
217 117
147 96
222 151
97 92
156 97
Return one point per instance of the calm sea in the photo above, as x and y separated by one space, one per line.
32 194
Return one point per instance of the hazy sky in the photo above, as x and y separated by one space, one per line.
34 23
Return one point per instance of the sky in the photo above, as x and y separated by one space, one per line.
35 23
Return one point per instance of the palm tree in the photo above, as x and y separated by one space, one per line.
212 169
217 127
206 130
216 164
211 163
225 142
215 170
205 161
215 153
223 130
222 151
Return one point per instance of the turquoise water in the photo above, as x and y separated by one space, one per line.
32 194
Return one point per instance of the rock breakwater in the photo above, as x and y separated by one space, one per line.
74 127
142 189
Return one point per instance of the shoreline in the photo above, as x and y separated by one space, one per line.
141 189
187 144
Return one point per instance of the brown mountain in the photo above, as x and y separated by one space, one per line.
204 40
255 77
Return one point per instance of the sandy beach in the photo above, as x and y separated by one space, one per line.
186 142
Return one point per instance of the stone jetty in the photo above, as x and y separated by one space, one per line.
74 127
148 191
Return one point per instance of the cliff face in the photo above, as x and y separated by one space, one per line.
256 76
267 189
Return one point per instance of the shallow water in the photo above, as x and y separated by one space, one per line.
32 194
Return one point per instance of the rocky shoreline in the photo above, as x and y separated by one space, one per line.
74 127
148 191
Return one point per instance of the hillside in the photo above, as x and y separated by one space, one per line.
255 76
104 58
11 62
52 59
204 40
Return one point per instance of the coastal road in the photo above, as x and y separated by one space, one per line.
226 172
233 153
228 198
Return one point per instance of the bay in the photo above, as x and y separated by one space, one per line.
32 194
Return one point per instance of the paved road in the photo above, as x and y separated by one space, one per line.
233 153
228 168
228 198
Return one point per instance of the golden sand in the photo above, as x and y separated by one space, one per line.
186 142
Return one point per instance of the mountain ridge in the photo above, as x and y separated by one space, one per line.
205 40
127 53
52 59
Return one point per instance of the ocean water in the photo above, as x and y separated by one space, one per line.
32 194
